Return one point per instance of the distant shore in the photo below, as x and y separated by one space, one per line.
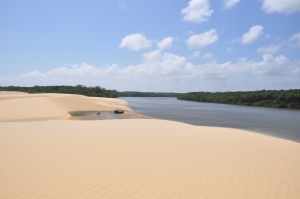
289 99
45 153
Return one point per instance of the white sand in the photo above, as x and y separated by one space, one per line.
29 107
138 158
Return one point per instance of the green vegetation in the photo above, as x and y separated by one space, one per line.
87 91
146 94
81 90
273 98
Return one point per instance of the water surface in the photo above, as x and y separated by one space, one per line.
276 122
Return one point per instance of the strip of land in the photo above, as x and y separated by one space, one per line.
265 98
31 107
45 153
289 99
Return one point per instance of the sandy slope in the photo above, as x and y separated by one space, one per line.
142 159
24 107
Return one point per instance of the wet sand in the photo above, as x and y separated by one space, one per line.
105 115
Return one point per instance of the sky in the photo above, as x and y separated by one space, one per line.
157 45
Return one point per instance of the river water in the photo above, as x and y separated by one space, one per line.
274 122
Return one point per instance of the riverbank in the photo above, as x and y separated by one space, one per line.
17 106
288 99
282 123
44 154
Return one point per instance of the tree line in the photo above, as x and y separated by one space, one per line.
87 91
264 98
80 90
146 94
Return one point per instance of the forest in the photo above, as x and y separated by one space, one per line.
146 94
87 91
264 98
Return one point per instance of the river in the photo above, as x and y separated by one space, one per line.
275 122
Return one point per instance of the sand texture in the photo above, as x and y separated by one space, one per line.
31 107
134 158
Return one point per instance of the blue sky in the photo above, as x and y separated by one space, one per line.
204 44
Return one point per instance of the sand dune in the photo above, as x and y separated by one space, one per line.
16 106
137 158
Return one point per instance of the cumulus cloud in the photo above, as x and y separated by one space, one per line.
281 6
165 43
135 42
296 39
271 49
152 56
197 11
172 72
230 3
203 39
277 65
253 34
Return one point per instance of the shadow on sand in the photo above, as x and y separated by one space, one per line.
105 115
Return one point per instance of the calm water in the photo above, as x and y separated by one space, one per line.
276 122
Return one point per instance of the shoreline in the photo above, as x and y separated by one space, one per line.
135 158
105 109
273 122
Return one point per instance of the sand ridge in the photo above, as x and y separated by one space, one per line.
139 158
35 107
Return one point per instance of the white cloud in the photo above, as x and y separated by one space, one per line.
152 56
271 49
135 42
230 3
203 39
171 72
253 34
278 65
165 43
296 39
281 6
197 11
